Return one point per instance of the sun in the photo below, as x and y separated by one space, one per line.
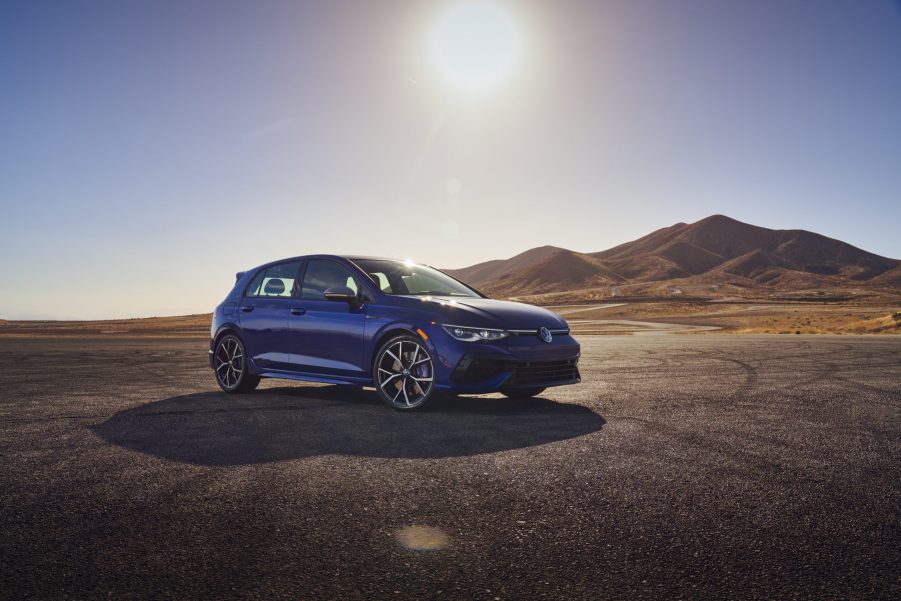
475 45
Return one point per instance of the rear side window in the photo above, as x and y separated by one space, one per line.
275 281
321 275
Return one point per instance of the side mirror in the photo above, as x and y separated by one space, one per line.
342 293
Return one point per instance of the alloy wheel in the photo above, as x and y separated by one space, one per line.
405 373
229 362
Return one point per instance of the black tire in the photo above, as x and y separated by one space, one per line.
522 393
403 373
230 366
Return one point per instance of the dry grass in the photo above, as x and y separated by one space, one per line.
818 320
685 290
758 318
838 324
182 325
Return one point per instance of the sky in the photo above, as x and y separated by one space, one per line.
150 150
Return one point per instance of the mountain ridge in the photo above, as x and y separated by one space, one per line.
716 249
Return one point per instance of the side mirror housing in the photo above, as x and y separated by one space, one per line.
342 294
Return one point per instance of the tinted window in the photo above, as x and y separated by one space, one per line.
277 280
321 275
382 280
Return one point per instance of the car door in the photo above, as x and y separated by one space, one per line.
264 315
327 336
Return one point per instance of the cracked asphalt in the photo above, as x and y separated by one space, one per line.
684 466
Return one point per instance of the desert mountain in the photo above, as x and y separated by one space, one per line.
498 268
715 250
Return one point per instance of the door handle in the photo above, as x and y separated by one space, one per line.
247 308
298 311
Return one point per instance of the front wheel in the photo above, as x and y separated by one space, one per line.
522 393
404 373
230 364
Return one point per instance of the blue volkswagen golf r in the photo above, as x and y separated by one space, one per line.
408 330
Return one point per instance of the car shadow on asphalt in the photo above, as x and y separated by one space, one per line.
277 424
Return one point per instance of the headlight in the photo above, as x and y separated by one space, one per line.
475 334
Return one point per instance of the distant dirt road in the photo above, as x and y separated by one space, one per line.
588 327
583 327
570 309
684 466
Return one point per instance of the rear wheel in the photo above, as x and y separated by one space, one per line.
522 393
404 373
230 365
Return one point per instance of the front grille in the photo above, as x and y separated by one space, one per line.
472 371
544 372
523 373
554 332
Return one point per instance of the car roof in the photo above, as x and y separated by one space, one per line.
369 258
350 258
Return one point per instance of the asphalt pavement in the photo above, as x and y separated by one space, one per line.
684 466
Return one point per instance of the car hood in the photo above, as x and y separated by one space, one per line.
491 313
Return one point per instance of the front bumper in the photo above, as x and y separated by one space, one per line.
493 373
516 362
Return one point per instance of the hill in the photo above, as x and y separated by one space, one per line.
561 270
714 251
498 268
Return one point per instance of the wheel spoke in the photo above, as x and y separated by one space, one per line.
391 377
421 379
393 356
403 386
415 354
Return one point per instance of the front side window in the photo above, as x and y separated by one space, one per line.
321 275
275 281
382 280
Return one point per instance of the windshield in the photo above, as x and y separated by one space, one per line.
396 277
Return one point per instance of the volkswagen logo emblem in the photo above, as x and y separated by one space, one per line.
545 334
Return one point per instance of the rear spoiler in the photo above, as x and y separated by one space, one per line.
238 276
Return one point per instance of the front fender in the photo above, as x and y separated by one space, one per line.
379 329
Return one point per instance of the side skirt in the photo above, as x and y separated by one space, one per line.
315 378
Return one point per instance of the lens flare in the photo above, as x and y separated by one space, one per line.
422 538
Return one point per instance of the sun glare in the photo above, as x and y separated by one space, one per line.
475 45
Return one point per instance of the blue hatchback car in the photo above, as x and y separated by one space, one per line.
409 330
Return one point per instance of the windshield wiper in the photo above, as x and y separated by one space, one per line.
437 293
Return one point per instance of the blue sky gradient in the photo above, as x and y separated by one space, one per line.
150 150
